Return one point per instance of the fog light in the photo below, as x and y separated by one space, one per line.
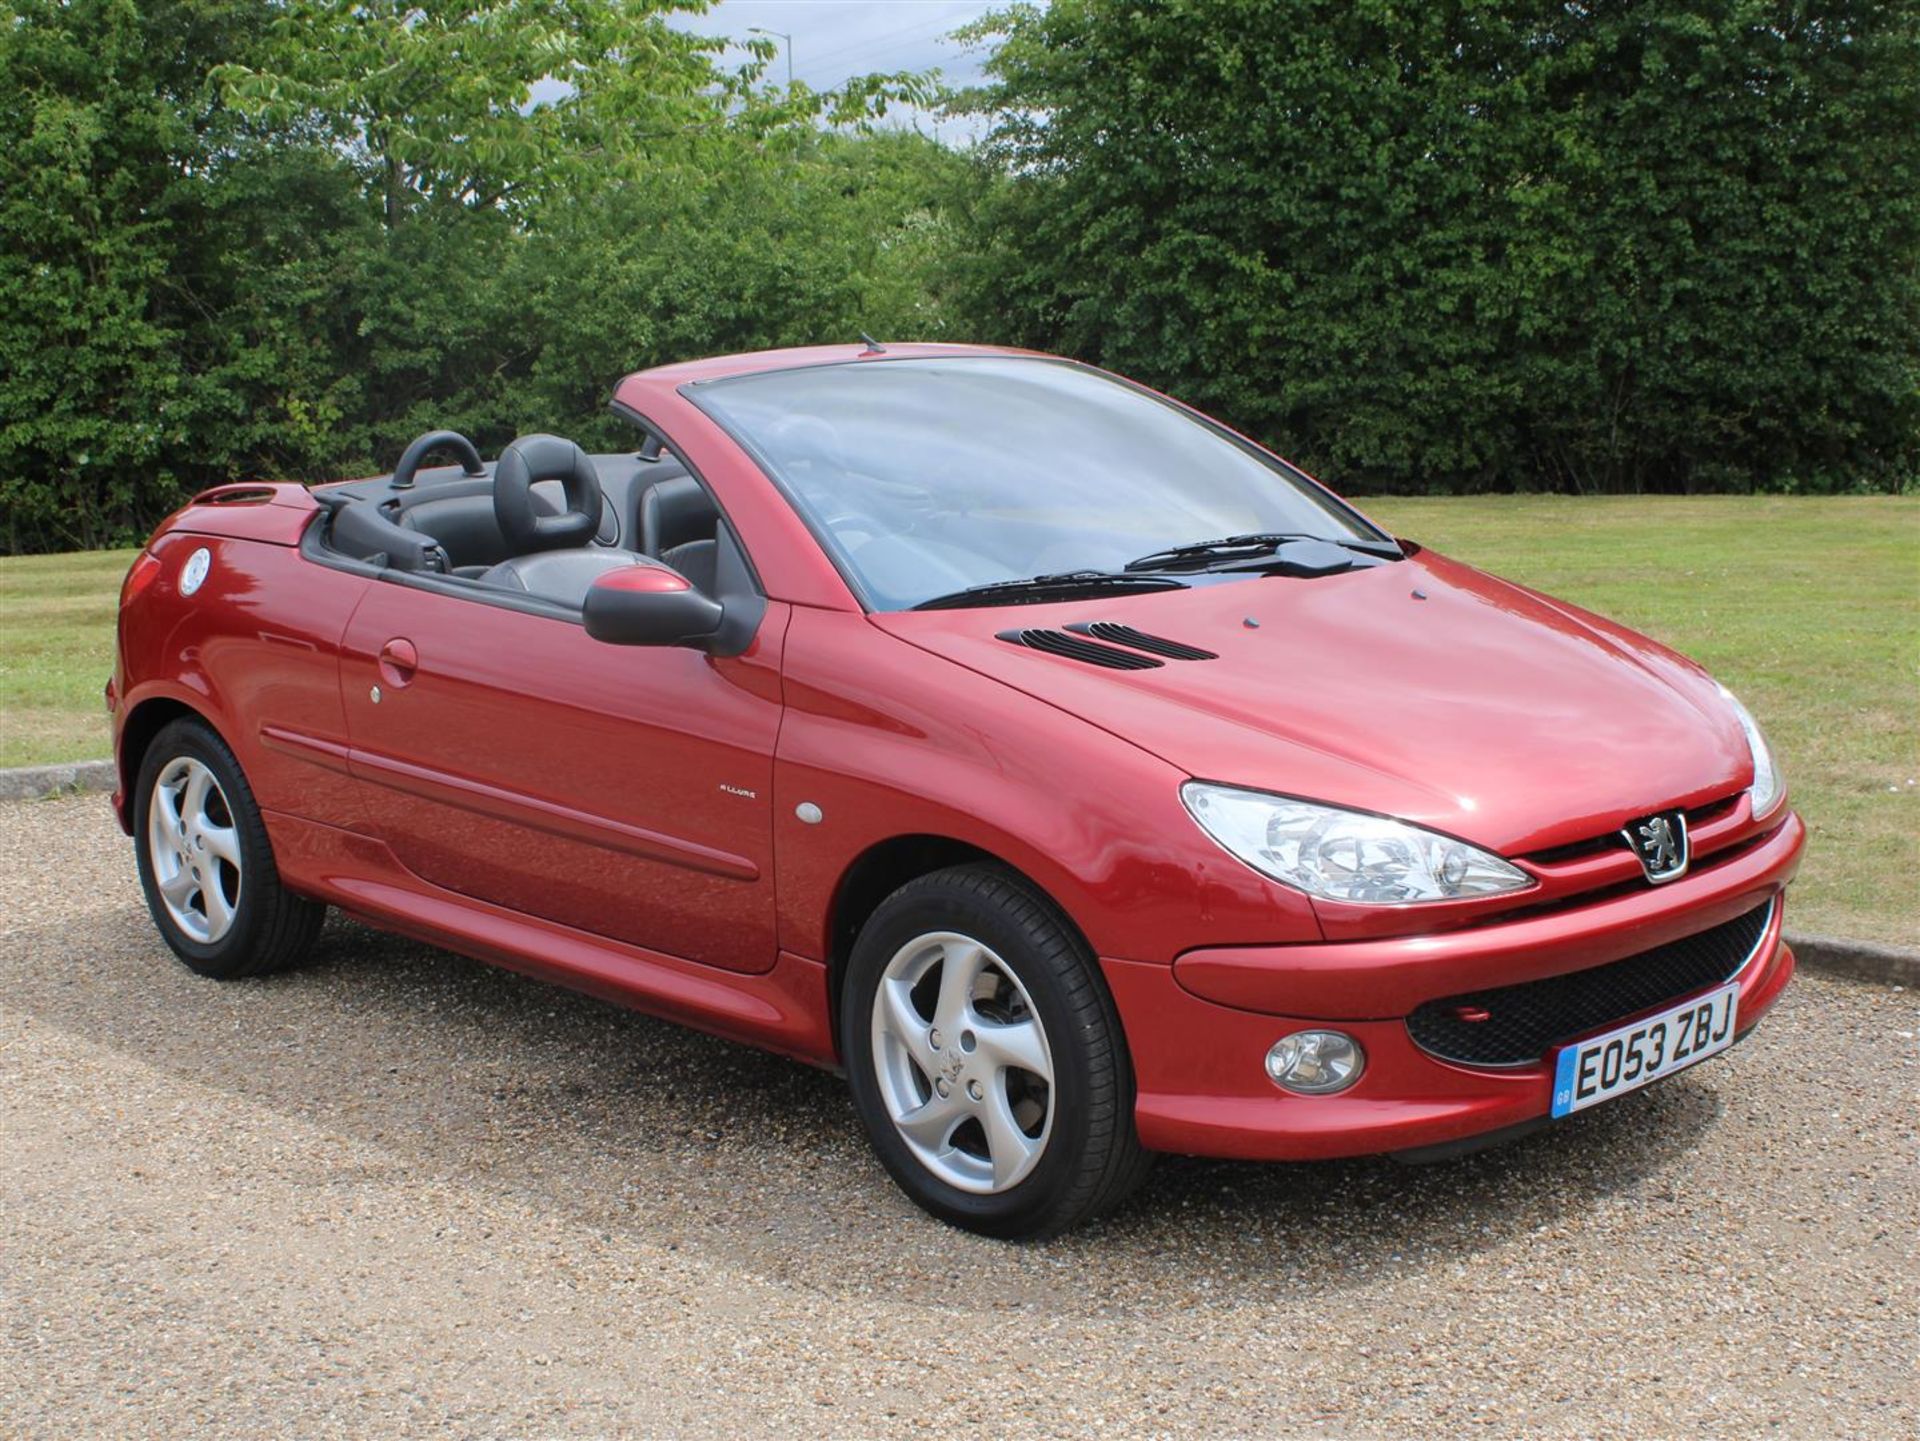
1315 1063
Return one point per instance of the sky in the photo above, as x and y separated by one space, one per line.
836 39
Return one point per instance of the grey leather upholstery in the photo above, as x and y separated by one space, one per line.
523 465
464 525
674 512
697 560
561 576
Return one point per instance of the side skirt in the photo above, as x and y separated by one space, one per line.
783 1010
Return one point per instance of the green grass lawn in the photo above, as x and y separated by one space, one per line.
1808 609
56 652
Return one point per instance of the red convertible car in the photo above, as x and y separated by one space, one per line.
1080 778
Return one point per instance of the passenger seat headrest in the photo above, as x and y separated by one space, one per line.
523 465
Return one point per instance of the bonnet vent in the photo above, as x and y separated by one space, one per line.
1073 647
1140 640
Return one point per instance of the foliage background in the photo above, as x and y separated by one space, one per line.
1453 246
1611 245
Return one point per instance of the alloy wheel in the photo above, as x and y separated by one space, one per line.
963 1063
194 848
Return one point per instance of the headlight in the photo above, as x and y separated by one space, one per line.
1767 787
1344 855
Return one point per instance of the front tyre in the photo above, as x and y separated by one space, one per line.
205 864
985 1057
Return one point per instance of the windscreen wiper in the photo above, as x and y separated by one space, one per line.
1065 585
1238 547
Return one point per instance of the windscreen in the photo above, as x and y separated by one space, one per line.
924 477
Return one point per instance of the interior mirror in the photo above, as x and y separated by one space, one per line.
650 605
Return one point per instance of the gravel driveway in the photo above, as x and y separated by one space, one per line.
402 1193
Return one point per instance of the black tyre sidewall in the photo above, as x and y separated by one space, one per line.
234 953
1036 953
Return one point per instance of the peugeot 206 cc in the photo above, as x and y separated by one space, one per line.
1078 777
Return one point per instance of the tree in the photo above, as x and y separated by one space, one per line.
436 101
845 234
137 215
207 272
489 103
1479 243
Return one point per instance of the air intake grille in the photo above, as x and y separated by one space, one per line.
1517 1025
1614 841
1073 647
1140 640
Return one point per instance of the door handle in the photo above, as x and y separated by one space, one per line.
398 661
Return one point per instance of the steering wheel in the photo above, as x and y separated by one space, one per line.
426 445
523 465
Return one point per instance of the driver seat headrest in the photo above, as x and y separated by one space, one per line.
674 512
523 465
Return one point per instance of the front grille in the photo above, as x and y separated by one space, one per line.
1613 840
1517 1025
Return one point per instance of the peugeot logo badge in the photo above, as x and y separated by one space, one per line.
1661 844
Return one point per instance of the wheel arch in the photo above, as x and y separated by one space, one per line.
144 721
885 866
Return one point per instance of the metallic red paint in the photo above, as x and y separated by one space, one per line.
646 579
1202 1090
621 790
1372 978
780 1010
1450 712
625 821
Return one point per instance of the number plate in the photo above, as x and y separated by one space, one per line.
1602 1067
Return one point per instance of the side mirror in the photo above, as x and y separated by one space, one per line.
649 605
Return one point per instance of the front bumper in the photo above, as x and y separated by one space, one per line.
1198 1061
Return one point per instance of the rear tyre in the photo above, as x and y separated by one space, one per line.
205 863
986 1059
